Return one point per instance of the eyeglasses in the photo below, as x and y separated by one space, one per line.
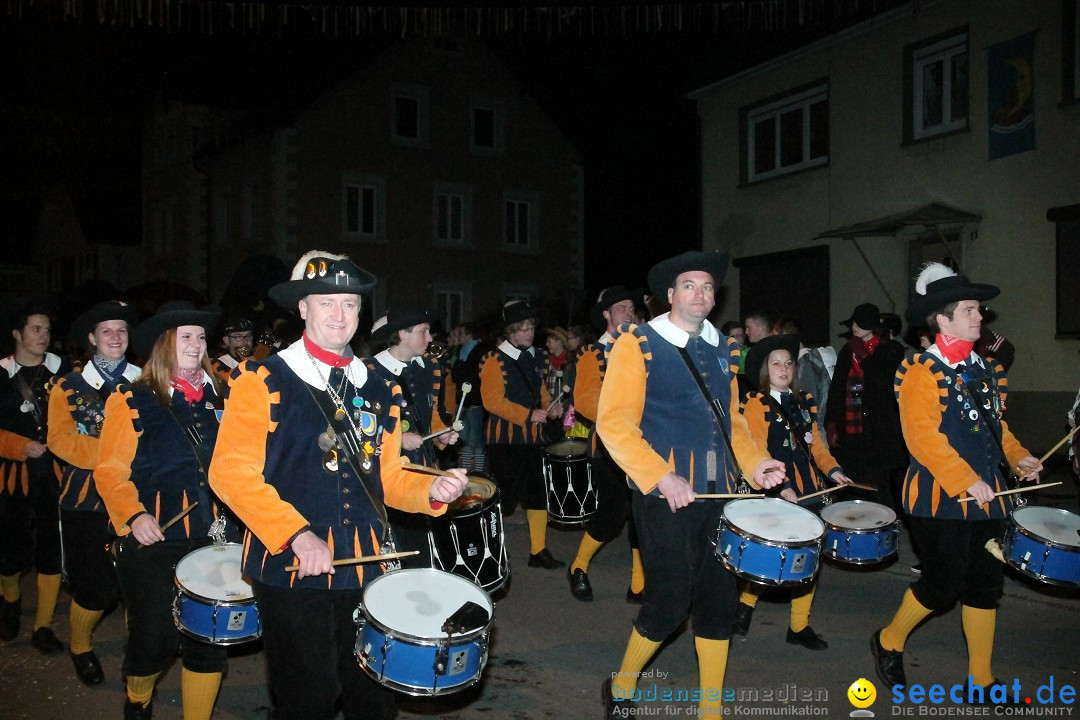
241 336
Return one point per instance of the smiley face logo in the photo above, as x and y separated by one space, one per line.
862 693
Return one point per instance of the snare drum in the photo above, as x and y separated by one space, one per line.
213 600
769 541
571 495
859 532
401 642
468 539
1044 543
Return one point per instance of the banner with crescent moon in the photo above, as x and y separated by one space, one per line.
1010 101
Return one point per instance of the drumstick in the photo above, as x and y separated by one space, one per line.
458 426
465 388
1052 450
860 486
1039 486
834 488
723 496
179 516
558 397
423 469
363 559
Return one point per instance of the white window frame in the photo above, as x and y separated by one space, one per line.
448 192
422 96
462 290
532 202
497 108
377 184
944 52
801 100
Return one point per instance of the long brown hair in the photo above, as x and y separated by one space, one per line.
160 367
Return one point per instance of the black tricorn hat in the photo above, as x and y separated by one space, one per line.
399 318
108 310
608 297
175 313
938 286
321 273
516 311
867 316
759 352
662 275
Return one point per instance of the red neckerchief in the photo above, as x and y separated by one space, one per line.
557 361
324 356
952 349
861 348
191 393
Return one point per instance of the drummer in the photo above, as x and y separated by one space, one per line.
406 330
951 403
614 307
310 449
518 404
155 446
659 427
76 413
783 420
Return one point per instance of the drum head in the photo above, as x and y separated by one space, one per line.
477 491
417 602
858 515
214 572
1058 526
571 447
774 519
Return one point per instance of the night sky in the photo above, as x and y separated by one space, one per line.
71 98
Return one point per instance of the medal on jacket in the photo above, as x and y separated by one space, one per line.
26 406
339 414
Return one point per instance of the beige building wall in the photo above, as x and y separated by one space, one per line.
871 174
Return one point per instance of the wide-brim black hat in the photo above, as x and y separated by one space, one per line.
172 314
321 273
867 316
662 275
399 318
85 324
608 297
517 311
945 291
237 323
759 352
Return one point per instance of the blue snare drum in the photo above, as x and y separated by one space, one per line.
1044 543
213 600
769 541
401 642
859 532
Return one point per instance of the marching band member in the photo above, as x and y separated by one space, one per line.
153 453
614 307
518 404
238 340
782 420
951 405
309 451
76 413
29 509
660 428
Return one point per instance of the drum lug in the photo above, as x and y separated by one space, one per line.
358 617
442 656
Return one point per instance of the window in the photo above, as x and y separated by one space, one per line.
937 86
452 304
522 227
453 215
487 126
365 208
787 134
409 115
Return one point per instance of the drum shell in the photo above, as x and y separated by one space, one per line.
860 546
405 662
766 561
571 493
480 534
1038 557
215 620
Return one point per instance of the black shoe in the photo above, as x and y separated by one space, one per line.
580 587
743 615
634 598
614 708
9 619
136 711
45 640
544 559
807 638
87 668
888 663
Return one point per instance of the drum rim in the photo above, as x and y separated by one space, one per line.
416 691
483 503
583 455
424 640
893 522
891 528
767 580
1031 533
774 543
216 602
1006 553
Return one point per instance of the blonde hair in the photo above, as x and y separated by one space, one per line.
160 367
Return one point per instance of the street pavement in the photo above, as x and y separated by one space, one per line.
550 652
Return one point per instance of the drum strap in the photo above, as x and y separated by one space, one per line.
348 451
1011 481
547 436
720 414
793 429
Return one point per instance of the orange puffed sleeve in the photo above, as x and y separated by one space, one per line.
116 451
65 440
